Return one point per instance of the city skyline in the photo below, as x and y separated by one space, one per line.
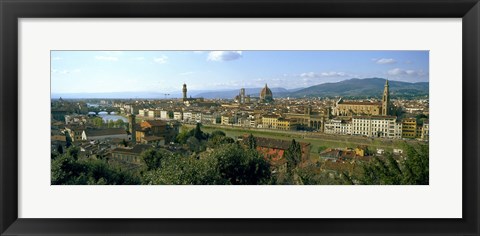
166 71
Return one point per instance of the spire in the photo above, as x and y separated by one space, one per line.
386 83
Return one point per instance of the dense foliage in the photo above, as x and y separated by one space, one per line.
215 159
68 169
229 164
413 170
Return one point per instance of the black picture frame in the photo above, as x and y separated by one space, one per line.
12 10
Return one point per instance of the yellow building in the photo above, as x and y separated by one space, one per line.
277 122
227 120
409 128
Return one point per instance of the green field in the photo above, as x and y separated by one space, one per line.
315 139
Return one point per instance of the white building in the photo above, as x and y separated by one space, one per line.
338 126
178 115
164 115
75 119
377 126
252 121
152 114
209 118
198 117
187 116
143 112
425 131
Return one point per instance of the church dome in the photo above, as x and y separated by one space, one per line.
266 94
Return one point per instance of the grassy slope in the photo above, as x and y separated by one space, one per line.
315 139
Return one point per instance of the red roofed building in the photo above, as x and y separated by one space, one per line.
274 149
151 128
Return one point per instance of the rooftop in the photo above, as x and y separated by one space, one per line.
374 117
361 103
103 132
137 149
155 122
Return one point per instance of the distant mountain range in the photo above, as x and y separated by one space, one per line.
369 87
354 88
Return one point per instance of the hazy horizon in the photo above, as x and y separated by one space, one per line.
178 93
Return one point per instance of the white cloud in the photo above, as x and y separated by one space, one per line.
160 60
410 72
106 58
396 71
224 55
323 74
385 61
56 58
310 75
138 58
403 72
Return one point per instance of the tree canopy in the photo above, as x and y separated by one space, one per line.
413 170
68 169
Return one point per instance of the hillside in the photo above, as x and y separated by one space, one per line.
369 87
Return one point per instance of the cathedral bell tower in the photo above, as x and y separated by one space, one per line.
184 91
132 128
386 100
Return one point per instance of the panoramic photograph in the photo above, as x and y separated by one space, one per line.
277 117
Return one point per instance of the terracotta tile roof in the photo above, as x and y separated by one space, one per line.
137 149
362 103
271 116
104 132
273 143
156 122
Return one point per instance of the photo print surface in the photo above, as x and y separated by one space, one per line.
240 117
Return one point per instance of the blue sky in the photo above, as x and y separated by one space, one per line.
166 71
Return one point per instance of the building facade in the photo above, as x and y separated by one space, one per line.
178 115
277 122
409 128
368 108
152 114
377 126
338 126
425 131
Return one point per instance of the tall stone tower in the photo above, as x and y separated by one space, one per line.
184 91
132 128
386 100
242 95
